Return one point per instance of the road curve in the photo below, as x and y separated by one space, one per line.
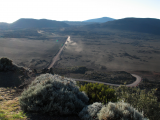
134 84
54 60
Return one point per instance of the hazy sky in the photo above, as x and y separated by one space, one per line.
77 10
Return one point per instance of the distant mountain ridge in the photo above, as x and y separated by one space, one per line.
34 23
90 21
100 20
45 23
145 25
77 23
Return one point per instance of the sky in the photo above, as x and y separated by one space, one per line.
77 10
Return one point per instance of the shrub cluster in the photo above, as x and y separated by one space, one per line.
110 111
119 111
99 93
90 112
53 94
61 96
141 100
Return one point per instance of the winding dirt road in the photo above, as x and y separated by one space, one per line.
134 84
54 60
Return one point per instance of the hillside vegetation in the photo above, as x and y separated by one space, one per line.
56 95
53 95
48 93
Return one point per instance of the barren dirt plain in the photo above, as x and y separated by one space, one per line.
31 53
115 50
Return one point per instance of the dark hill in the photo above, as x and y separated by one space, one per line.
34 23
145 25
3 25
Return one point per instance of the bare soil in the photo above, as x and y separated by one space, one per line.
30 53
123 51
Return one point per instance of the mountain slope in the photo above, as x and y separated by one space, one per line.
3 25
145 25
90 21
34 23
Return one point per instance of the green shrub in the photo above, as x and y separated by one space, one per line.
119 111
53 94
99 93
141 100
90 112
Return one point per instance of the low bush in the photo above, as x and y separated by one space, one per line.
53 94
119 111
99 93
90 111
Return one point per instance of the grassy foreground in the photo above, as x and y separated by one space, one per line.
9 106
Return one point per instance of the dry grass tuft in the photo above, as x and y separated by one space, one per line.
10 109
